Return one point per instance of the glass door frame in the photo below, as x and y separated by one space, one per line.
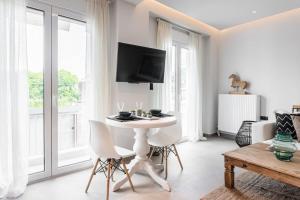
51 15
56 170
177 62
178 46
47 103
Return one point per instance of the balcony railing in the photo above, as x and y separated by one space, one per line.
73 138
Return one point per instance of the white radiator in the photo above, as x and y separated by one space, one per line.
234 109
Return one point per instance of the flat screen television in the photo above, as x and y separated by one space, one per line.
138 64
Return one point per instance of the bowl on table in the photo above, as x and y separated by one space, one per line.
124 114
155 112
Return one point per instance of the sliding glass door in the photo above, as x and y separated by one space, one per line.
59 133
39 78
71 128
35 46
180 55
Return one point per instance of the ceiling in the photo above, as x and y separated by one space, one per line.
223 14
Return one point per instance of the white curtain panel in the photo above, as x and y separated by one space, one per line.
14 117
195 88
163 92
99 101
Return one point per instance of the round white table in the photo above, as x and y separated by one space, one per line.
142 148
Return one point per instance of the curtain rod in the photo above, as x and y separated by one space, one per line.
178 26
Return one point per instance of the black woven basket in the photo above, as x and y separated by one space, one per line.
243 137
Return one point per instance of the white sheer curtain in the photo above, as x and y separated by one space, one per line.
14 116
195 88
163 92
97 59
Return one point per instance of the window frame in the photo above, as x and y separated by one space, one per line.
178 46
178 74
46 9
51 14
56 170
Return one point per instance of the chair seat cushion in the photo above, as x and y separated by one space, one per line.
123 152
162 139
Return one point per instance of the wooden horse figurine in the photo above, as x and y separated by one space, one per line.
237 84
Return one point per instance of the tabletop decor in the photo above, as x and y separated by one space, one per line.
120 119
284 146
155 111
238 86
124 114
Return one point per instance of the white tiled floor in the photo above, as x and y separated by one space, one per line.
203 171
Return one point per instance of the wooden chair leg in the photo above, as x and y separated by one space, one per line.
108 179
177 155
126 171
151 153
92 175
162 155
112 174
166 162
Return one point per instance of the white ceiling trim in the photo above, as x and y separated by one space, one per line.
223 14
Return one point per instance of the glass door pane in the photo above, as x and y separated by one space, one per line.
35 52
73 128
173 75
183 88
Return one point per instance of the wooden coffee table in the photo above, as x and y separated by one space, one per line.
258 159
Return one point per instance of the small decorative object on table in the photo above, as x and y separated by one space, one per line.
243 137
156 112
239 86
139 112
139 109
284 146
125 114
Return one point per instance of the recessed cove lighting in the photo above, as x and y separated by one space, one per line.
253 11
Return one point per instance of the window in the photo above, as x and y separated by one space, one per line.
59 131
180 55
73 128
35 49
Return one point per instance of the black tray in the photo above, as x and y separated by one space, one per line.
120 119
162 115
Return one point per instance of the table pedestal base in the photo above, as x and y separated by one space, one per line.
148 168
141 161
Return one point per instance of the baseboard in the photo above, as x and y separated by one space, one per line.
226 135
209 134
229 136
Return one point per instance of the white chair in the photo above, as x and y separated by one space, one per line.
164 141
103 146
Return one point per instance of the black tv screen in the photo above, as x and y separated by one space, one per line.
138 64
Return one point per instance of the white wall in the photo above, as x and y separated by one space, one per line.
265 53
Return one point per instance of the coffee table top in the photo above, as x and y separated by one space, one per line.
257 154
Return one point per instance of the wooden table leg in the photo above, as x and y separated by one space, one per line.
229 174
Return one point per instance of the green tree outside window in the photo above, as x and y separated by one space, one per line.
67 88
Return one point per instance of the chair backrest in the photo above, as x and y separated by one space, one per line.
175 131
101 141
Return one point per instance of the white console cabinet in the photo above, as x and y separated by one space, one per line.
233 109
